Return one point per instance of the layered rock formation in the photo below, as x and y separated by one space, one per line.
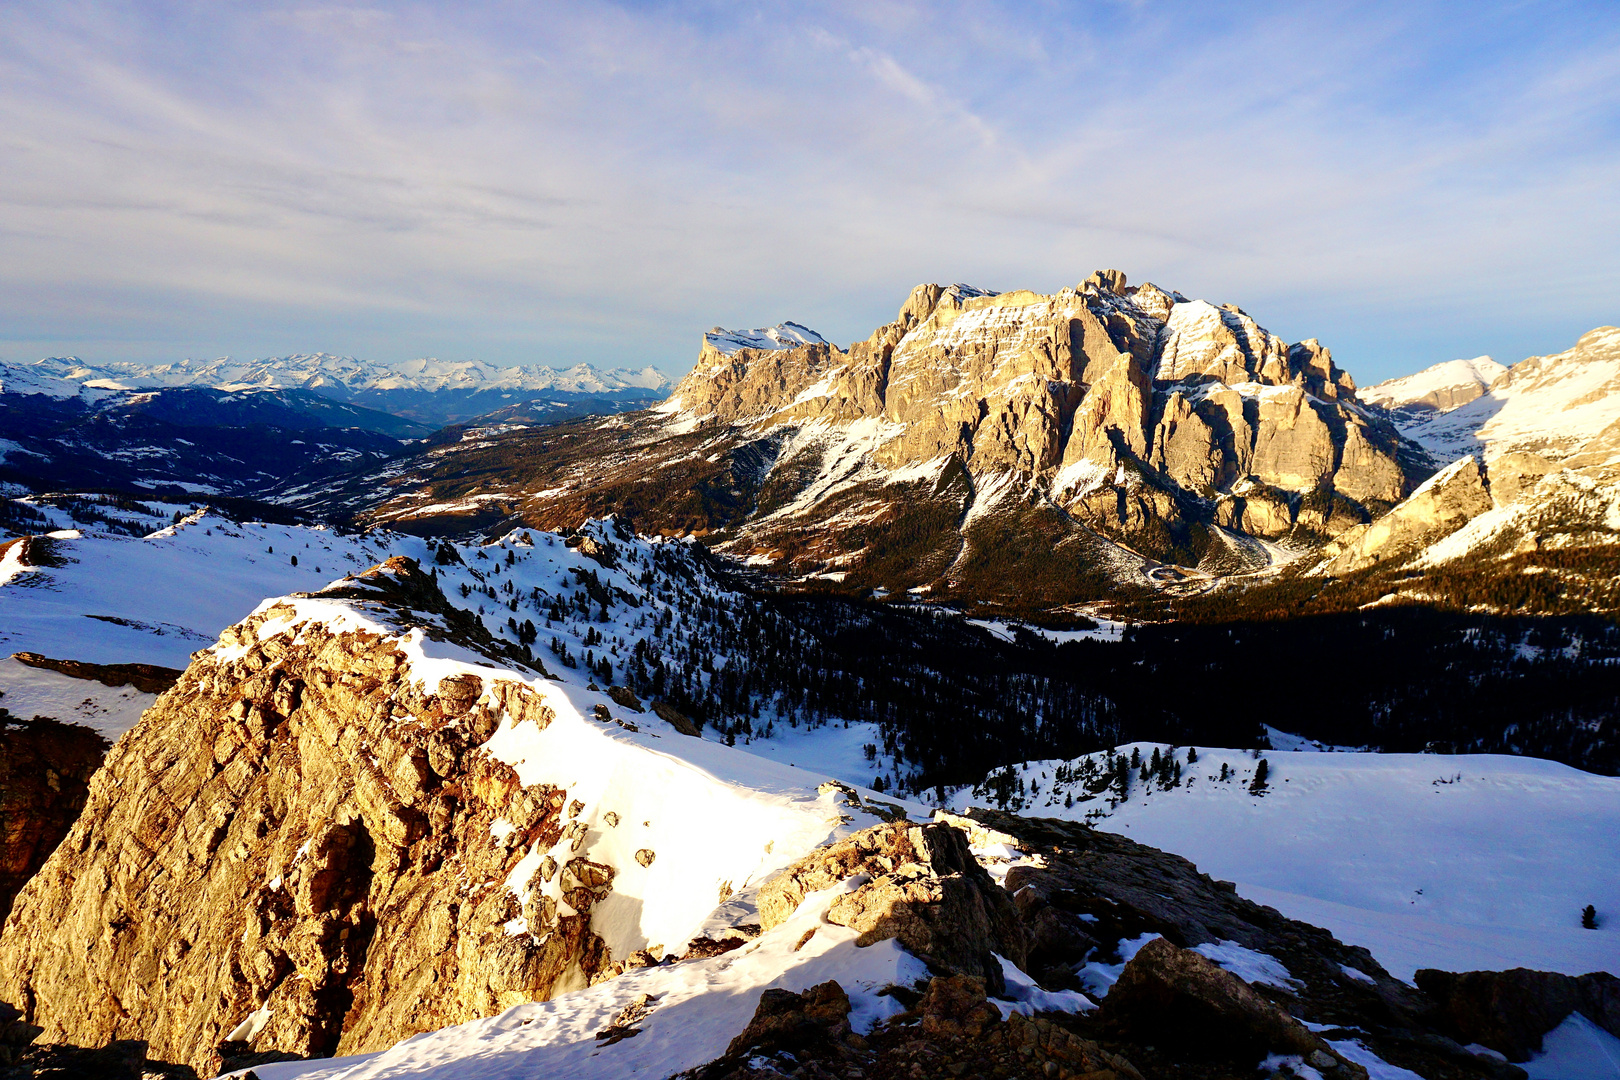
979 444
1088 381
309 845
310 868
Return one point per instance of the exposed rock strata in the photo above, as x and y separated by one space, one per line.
298 826
147 678
1106 374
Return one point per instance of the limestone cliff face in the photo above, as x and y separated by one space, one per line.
976 445
1440 507
304 832
1122 386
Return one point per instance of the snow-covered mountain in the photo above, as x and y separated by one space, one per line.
325 372
789 335
1440 388
1548 405
1528 508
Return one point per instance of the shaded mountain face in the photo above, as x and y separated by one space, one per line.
1013 448
62 435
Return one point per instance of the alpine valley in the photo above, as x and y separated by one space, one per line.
1076 685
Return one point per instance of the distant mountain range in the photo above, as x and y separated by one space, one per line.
244 427
429 391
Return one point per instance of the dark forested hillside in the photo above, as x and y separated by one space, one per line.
953 700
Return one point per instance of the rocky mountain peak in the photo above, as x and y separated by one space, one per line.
1101 390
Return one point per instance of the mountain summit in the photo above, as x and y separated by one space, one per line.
1038 449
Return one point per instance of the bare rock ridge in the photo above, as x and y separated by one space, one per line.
300 832
1181 395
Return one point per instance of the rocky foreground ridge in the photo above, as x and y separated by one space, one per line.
1087 437
322 840
359 817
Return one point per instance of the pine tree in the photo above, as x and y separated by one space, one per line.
1257 786
1589 917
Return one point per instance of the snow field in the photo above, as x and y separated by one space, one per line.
1471 862
27 692
157 599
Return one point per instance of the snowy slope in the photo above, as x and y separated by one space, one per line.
1475 862
319 371
1546 404
27 692
157 599
1436 389
787 335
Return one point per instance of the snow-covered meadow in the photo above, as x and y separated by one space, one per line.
1469 862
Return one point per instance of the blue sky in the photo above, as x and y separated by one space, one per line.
554 183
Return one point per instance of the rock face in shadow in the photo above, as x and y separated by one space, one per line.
1510 1011
1172 995
293 850
45 771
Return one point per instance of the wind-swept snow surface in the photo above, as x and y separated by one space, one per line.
157 599
27 692
1470 862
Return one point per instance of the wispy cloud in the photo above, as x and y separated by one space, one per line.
565 182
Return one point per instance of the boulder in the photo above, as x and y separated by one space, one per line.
1171 995
925 889
1510 1011
785 1020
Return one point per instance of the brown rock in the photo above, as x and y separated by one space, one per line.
956 1005
785 1020
1510 1011
45 771
279 830
1171 995
926 890
147 678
